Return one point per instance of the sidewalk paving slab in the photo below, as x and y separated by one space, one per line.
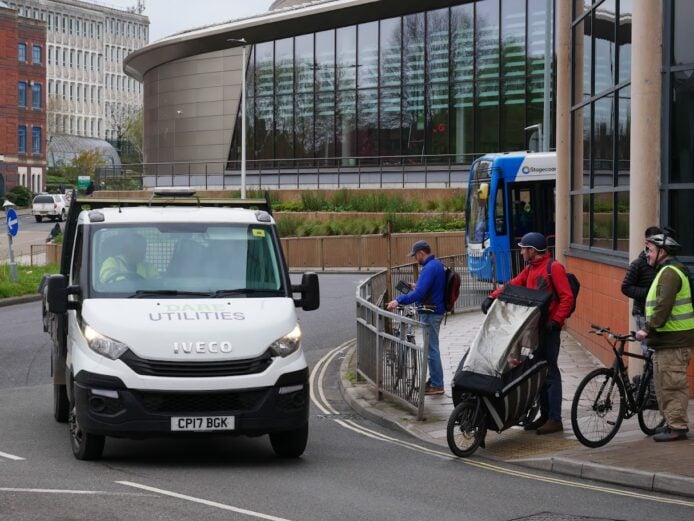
630 459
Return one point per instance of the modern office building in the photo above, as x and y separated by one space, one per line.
402 82
22 101
88 93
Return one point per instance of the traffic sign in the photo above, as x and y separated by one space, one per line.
12 222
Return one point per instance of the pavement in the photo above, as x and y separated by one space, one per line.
630 459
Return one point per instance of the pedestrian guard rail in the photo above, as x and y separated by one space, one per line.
393 348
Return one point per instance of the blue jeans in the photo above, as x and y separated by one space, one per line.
434 360
550 395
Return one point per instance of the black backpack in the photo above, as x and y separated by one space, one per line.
573 283
452 291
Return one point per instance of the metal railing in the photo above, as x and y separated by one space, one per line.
386 357
347 172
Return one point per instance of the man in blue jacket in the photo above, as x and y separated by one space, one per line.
429 293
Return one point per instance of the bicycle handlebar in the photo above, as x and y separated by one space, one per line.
602 331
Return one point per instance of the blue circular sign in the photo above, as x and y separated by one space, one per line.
12 222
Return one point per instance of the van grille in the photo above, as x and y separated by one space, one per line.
181 403
189 369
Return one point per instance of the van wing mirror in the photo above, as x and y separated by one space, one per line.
56 294
310 292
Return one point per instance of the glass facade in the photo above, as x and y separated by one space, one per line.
437 86
678 178
601 124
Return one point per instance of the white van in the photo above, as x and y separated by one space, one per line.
176 316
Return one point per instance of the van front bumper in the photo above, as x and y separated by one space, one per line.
105 406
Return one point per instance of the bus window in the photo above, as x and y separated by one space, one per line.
499 213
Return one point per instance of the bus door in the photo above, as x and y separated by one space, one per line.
532 207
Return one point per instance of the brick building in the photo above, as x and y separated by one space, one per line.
22 101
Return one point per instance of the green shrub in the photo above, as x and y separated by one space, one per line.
20 195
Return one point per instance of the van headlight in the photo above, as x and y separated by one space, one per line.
289 343
103 345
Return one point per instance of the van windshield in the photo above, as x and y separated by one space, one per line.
183 259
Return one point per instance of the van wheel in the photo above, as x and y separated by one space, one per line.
61 217
289 444
85 446
38 218
61 405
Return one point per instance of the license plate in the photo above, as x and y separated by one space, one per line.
43 213
202 423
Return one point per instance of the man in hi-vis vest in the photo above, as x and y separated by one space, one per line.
669 332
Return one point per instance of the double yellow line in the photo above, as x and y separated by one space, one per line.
320 401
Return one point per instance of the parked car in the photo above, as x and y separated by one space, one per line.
52 206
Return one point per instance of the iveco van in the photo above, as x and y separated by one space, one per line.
175 316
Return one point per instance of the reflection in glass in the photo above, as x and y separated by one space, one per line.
512 124
462 121
487 45
682 48
680 218
681 131
346 58
579 219
367 71
303 128
488 116
604 22
325 125
325 61
264 69
367 123
603 142
284 127
303 58
623 221
390 125
623 136
437 46
284 66
391 69
603 220
437 120
263 128
413 120
413 49
513 38
462 48
346 126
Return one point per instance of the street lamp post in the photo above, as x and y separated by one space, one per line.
243 113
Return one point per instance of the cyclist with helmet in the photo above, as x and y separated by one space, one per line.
533 247
669 331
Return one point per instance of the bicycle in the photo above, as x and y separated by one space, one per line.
606 396
400 357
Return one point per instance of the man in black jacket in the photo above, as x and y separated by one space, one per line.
636 282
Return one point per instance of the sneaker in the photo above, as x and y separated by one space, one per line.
432 391
533 426
550 427
671 435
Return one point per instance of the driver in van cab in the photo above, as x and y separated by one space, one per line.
130 263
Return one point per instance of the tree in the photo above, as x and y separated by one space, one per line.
134 132
85 163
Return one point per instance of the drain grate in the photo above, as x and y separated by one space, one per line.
345 416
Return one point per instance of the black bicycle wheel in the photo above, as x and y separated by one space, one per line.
650 417
466 430
597 410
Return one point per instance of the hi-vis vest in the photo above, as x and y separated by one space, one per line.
682 315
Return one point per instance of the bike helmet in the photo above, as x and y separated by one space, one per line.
533 240
666 242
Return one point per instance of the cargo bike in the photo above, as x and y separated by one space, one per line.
498 381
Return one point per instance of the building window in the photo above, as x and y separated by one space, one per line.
36 54
22 52
22 139
36 96
36 145
601 125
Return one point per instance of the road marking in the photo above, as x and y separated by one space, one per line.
75 492
370 433
10 456
214 504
